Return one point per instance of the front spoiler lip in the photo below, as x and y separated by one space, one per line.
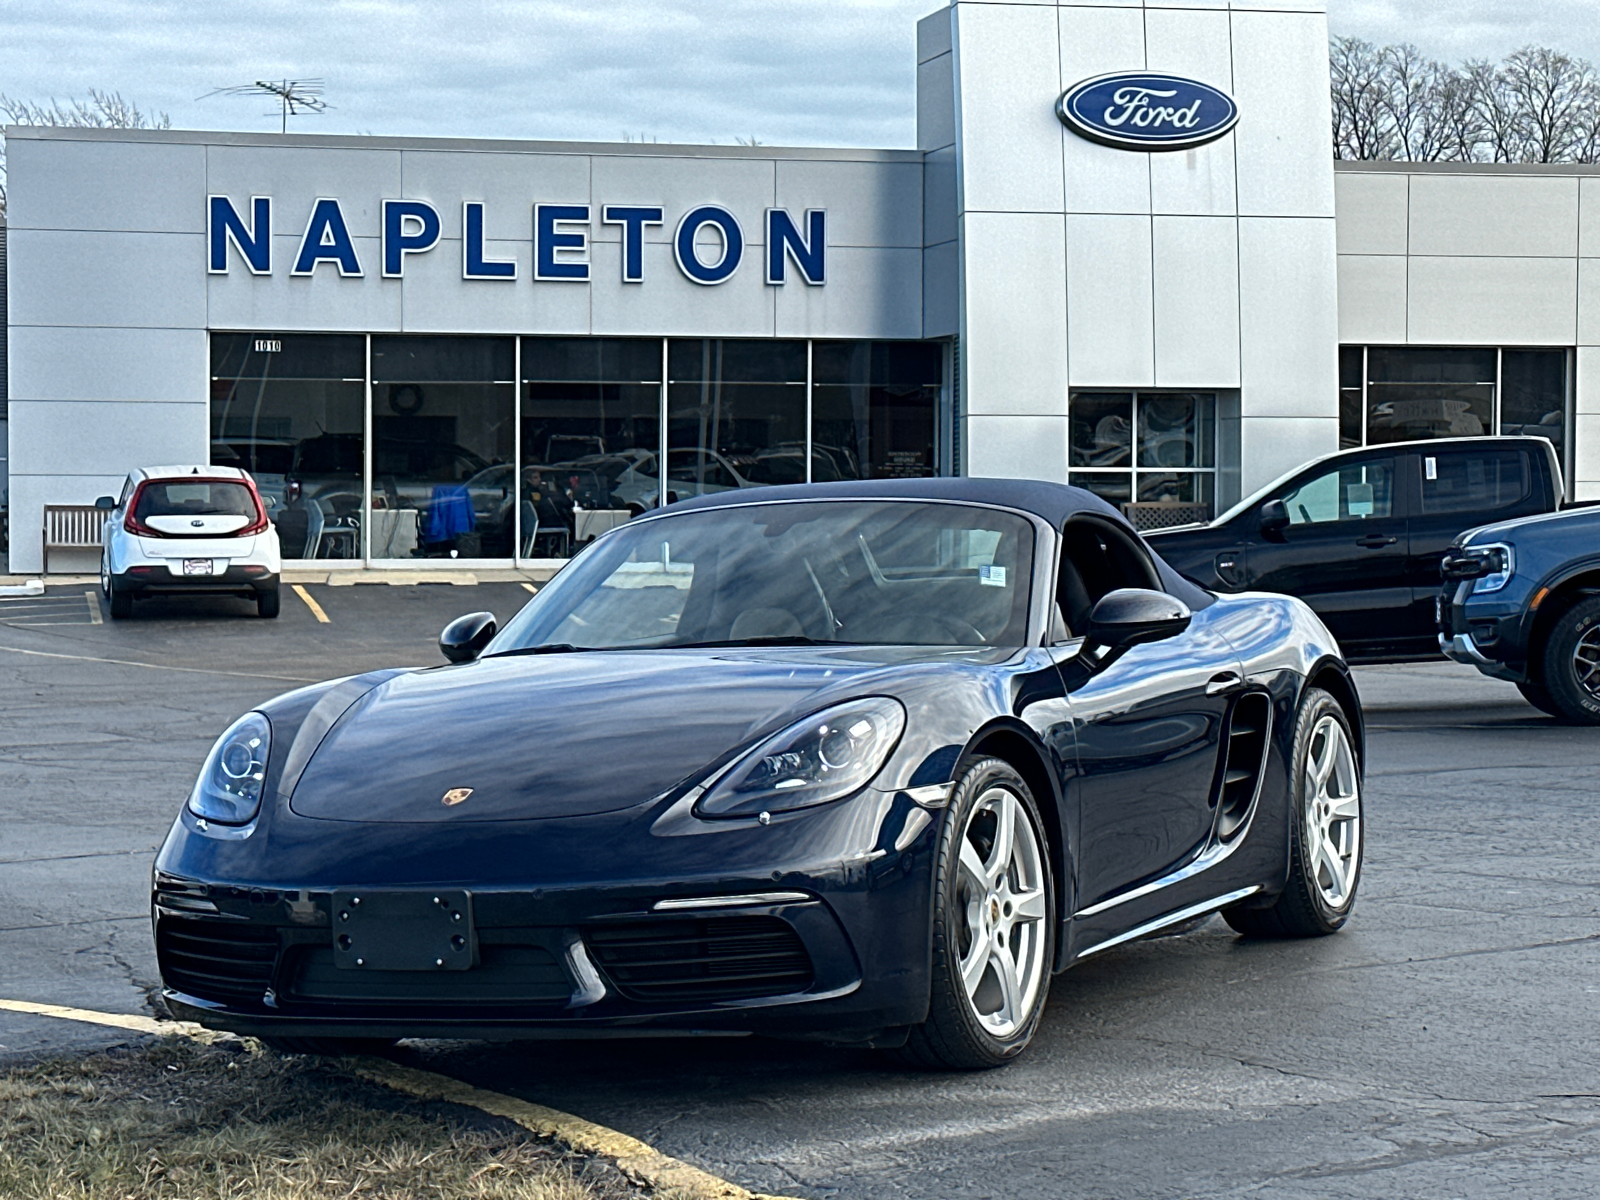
1461 648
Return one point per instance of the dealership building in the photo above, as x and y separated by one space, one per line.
1120 255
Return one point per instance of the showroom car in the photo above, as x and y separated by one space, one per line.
190 530
861 762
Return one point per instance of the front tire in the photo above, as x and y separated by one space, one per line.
1536 694
1325 830
994 926
1572 664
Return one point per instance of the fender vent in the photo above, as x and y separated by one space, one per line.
1249 727
714 958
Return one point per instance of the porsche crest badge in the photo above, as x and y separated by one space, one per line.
455 796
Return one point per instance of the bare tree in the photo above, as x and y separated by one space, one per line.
102 110
1361 127
1409 86
1554 97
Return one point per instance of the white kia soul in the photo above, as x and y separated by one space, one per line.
182 530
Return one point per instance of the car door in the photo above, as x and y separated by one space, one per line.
1457 487
1344 550
1148 725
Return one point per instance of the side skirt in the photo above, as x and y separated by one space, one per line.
1170 919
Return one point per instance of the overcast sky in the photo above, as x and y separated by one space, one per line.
812 72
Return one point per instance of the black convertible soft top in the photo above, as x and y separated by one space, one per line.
1055 502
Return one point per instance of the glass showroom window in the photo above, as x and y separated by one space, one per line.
874 410
290 409
736 417
591 423
1417 392
1154 449
443 445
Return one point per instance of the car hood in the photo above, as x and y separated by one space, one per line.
1564 524
564 735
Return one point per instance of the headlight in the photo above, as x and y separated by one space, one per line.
825 757
1499 561
229 788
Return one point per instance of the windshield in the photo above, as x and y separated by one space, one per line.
861 572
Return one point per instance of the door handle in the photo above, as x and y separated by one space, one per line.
1375 541
1225 682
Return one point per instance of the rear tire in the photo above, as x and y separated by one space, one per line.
121 605
994 926
1536 694
1325 830
329 1047
267 603
1572 663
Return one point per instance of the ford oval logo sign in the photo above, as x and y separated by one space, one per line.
1143 110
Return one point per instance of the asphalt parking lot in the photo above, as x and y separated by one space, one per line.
1443 1045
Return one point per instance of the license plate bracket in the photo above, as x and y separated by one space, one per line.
428 930
197 566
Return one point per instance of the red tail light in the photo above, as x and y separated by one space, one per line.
259 525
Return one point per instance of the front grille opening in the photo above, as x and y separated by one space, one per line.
713 958
216 960
1249 726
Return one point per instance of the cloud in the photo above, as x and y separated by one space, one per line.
797 72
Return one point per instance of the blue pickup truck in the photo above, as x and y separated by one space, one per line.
1521 601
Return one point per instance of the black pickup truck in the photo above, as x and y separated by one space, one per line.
1521 601
1360 535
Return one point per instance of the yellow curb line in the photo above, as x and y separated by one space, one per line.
316 609
93 599
636 1159
531 588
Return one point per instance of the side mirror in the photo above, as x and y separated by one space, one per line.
465 637
105 503
1133 616
1274 519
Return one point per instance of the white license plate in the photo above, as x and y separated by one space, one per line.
197 566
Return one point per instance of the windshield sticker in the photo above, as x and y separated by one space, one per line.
992 576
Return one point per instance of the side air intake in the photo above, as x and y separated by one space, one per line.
1249 728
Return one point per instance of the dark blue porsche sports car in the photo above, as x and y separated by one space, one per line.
863 763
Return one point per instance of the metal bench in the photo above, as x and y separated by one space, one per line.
71 527
1145 515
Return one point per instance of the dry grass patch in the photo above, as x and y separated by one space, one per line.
179 1120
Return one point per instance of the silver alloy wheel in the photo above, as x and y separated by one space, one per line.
1586 662
1332 842
1000 889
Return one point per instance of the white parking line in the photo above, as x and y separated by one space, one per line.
123 662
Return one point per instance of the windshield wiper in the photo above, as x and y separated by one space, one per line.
547 648
777 639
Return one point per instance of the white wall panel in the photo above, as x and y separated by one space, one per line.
29 495
435 299
1493 301
669 304
107 437
150 187
936 102
941 290
1589 302
999 447
1288 318
1008 74
138 280
1280 79
1095 41
1372 299
296 176
323 300
872 292
1372 212
1193 44
1589 217
744 186
51 363
1587 378
1196 290
1586 428
1110 307
1270 447
868 203
1504 215
507 184
1014 354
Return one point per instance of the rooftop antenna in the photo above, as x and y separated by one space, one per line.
294 96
